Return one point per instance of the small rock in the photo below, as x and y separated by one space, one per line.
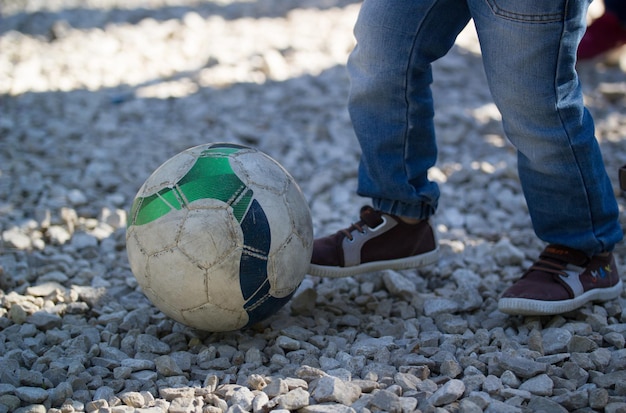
615 407
545 404
293 400
386 401
256 382
579 344
541 385
505 253
332 389
31 395
492 385
555 340
260 402
149 344
166 366
496 406
522 367
468 406
242 397
574 372
398 285
276 387
448 393
598 398
287 343
437 306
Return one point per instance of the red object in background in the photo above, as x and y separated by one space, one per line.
603 34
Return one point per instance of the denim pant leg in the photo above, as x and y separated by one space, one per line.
390 99
529 52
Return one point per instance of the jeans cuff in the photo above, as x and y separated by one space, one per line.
421 210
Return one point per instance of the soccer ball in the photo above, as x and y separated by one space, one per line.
219 237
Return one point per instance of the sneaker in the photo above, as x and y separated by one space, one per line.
562 280
604 34
377 242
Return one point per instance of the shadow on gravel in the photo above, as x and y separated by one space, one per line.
295 121
49 23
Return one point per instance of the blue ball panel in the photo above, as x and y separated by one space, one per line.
257 241
255 286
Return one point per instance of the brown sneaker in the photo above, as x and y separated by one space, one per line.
377 242
562 280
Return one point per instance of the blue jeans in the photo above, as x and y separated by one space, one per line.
529 52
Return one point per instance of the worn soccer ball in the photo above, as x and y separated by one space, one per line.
219 237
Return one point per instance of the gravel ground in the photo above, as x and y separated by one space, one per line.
95 94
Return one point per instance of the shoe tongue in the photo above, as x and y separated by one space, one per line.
565 254
371 217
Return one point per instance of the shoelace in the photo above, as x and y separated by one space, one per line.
558 260
359 226
355 226
549 266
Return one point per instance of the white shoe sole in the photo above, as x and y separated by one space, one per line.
397 264
525 306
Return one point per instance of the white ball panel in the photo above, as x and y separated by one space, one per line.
168 173
137 257
278 214
161 233
300 215
260 171
213 318
288 266
177 279
208 235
